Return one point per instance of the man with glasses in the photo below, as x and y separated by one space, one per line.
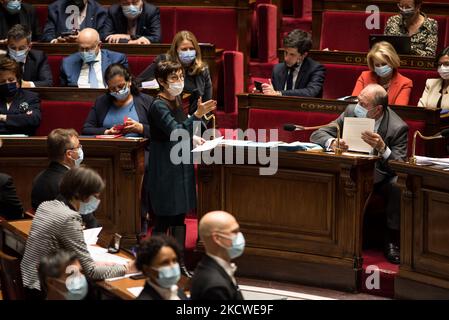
85 69
133 21
65 152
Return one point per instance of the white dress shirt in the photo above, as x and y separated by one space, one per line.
166 294
83 80
229 268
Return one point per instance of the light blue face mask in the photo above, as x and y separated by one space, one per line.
237 247
383 71
360 112
77 287
187 57
13 6
90 206
121 94
88 56
80 158
18 55
168 276
131 11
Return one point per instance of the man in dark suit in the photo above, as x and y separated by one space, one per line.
133 21
36 70
82 14
298 75
65 152
10 205
14 12
86 68
389 141
214 276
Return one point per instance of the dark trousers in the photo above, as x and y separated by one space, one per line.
391 194
164 222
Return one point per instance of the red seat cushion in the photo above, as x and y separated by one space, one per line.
62 114
42 15
265 36
168 23
340 80
233 79
138 63
446 41
419 78
275 119
55 65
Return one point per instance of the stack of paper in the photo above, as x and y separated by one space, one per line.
208 145
101 255
441 163
299 146
352 133
91 235
135 291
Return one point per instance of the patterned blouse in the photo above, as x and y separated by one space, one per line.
424 42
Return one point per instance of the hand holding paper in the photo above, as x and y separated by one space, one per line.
352 133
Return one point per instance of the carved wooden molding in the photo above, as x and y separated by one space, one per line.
126 162
347 182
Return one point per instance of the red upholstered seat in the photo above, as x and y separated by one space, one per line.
62 114
233 79
275 119
168 23
217 26
446 40
264 38
138 63
55 64
42 15
340 80
419 78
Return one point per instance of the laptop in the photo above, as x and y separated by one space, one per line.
402 44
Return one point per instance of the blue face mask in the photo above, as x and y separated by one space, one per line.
13 6
237 247
18 55
77 286
383 71
187 57
90 206
360 112
131 12
88 56
80 158
8 90
122 94
168 276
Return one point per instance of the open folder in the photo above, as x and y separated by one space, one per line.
352 133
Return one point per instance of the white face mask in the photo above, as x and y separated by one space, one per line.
444 72
175 89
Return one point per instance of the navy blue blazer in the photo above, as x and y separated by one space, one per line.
71 66
56 24
27 16
309 82
24 115
94 122
148 23
37 69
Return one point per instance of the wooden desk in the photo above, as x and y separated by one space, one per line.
120 162
302 224
424 269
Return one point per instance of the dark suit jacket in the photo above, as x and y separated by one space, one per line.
37 69
21 121
56 24
148 23
309 82
26 17
94 122
199 85
71 66
211 282
10 205
392 129
149 293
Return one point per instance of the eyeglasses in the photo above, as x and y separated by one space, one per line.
79 147
175 78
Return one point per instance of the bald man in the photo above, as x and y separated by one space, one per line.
214 276
389 141
85 69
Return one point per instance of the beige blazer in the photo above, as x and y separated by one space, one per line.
431 95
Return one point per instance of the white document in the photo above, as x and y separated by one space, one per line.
135 291
91 235
16 135
270 144
235 143
150 84
123 277
352 133
208 145
99 254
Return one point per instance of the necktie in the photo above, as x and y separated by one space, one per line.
93 81
290 78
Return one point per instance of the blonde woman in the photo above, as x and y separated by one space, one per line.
383 63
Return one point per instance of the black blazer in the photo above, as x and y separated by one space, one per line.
56 24
26 17
309 82
24 115
211 282
37 69
10 205
149 293
46 184
94 122
199 85
148 23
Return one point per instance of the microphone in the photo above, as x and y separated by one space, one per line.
294 127
443 134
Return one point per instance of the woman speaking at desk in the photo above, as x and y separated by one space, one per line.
172 186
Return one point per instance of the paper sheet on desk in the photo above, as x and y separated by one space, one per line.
235 143
91 235
443 162
208 145
135 291
352 133
99 254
